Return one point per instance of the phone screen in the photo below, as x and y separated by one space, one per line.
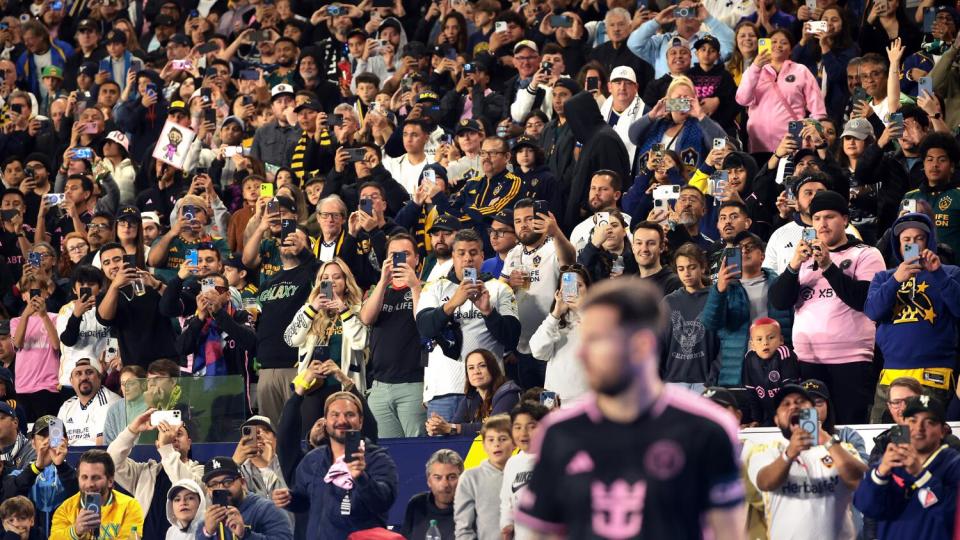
734 257
221 497
399 257
352 445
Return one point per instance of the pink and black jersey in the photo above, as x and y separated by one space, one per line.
655 477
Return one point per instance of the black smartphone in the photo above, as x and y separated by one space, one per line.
208 47
85 292
900 435
287 227
260 35
221 497
383 3
92 502
130 260
733 256
795 127
859 94
210 115
334 120
246 432
399 257
356 154
9 214
273 207
560 21
352 445
247 100
34 293
540 207
16 107
249 75
321 353
593 83
366 206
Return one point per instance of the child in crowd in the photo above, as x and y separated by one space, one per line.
524 419
767 366
476 506
17 516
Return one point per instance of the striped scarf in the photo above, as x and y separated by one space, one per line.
299 151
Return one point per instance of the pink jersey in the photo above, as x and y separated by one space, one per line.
37 363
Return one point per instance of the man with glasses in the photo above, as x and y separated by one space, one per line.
502 239
532 269
246 515
333 240
484 196
739 297
100 232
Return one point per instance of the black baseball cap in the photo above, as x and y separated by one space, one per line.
467 124
817 388
129 213
787 390
218 466
444 223
504 216
721 396
309 104
927 404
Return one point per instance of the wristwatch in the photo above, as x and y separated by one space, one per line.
937 116
833 440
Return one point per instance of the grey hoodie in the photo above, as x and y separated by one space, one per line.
179 530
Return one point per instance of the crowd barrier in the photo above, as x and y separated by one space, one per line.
411 455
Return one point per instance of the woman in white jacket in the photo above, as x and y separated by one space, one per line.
331 328
556 341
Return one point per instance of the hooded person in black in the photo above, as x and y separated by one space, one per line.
601 148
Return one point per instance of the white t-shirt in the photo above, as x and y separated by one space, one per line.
440 270
814 502
92 341
534 303
516 476
84 424
783 243
408 174
580 236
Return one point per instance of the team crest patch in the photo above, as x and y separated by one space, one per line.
827 461
664 459
845 264
536 260
498 189
945 203
791 78
927 497
774 376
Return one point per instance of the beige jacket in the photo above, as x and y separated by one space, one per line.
140 479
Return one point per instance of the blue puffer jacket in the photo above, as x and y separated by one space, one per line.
728 314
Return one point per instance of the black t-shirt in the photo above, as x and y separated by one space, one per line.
653 478
143 335
10 250
395 351
280 299
60 224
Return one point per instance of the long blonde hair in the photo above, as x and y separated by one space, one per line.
324 322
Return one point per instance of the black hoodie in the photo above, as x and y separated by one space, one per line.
601 148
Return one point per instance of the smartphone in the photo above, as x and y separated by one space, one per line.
83 153
910 205
92 502
112 350
500 26
321 352
366 206
105 67
85 292
182 65
335 11
928 17
231 151
470 273
763 45
356 154
817 27
924 84
287 227
540 207
221 497
208 47
266 190
260 35
34 293
548 399
446 138
810 423
900 435
450 53
809 234
811 5
273 206
678 105
171 417
54 199
90 129
9 214
719 143
734 256
335 120
718 184
593 83
859 94
193 258
352 445
208 284
210 115
911 252
684 12
34 259
569 287
669 192
794 128
130 261
249 75
55 432
399 257
561 21
895 118
246 432
326 289
430 175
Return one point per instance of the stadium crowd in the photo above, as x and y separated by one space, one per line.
382 218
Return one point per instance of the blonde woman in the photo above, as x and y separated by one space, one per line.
330 327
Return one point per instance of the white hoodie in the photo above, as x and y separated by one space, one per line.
185 531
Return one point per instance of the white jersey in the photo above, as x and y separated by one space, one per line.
405 172
783 243
439 270
92 341
84 424
814 502
444 375
534 303
580 236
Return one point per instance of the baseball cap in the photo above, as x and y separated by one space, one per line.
526 43
524 142
235 261
88 24
281 90
180 39
42 424
177 106
287 202
721 396
259 420
357 31
816 387
466 125
504 216
623 72
234 119
52 71
116 36
678 41
163 20
569 84
221 465
150 217
309 104
129 213
927 404
6 409
427 96
787 390
829 200
858 128
907 223
444 223
87 68
87 362
707 40
120 138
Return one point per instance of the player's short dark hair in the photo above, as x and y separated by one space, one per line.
616 181
402 236
736 204
373 184
86 273
650 226
636 300
531 408
367 77
164 366
467 235
96 456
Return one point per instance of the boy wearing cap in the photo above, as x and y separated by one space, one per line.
912 493
807 484
715 86
826 284
52 79
916 306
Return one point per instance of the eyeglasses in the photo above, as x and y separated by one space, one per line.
223 484
526 58
329 215
102 226
572 267
221 289
490 153
896 403
872 74
79 248
747 247
499 233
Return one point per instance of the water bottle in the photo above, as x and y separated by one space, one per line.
433 533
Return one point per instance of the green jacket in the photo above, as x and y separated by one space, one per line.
945 201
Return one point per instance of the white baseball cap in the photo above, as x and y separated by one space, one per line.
281 89
151 217
119 138
623 72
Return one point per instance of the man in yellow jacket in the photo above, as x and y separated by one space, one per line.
79 519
